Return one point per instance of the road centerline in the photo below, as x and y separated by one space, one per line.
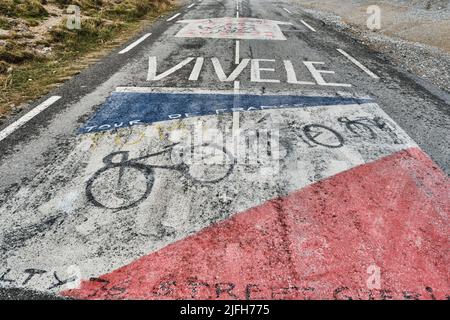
236 56
308 26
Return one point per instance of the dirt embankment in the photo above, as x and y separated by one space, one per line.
38 51
414 34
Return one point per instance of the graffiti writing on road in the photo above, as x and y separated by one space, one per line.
261 71
30 274
194 288
232 28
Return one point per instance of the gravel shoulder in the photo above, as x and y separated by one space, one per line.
414 35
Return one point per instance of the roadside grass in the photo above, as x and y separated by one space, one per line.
23 9
26 75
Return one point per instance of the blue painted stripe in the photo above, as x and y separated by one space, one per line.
125 109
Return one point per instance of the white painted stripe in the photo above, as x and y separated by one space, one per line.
173 17
291 76
171 90
30 115
359 64
237 85
190 6
197 68
236 57
235 105
308 26
267 91
287 10
134 44
151 75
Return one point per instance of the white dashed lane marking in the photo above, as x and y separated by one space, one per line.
173 17
308 26
134 44
30 115
359 64
190 6
287 10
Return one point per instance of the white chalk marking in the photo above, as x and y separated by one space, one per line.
173 17
30 115
287 10
236 57
357 63
190 6
134 44
308 26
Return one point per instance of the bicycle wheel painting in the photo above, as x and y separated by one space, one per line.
214 164
107 189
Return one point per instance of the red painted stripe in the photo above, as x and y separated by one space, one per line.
315 243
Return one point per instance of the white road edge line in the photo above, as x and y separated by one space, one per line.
173 17
134 44
191 5
308 26
359 64
287 10
27 117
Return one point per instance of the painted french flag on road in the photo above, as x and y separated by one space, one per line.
345 206
364 214
143 106
327 240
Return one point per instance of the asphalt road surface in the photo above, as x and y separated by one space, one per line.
237 150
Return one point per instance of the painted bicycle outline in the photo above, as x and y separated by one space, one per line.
362 127
148 171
